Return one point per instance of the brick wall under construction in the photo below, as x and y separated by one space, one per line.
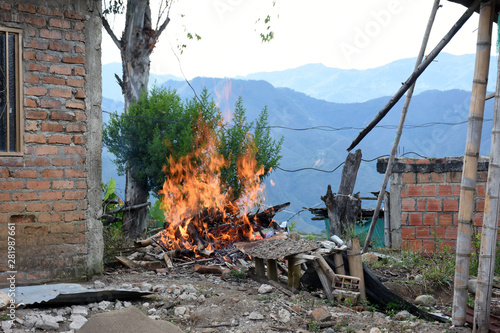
425 196
50 187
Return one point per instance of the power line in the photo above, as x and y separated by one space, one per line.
338 166
318 128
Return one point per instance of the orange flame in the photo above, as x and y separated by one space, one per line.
199 215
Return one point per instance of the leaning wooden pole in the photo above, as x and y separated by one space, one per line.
413 77
490 226
395 144
469 173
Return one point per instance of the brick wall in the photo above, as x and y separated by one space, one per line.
426 195
46 192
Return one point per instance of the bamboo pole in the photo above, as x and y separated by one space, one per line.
356 264
469 173
490 227
413 77
395 144
387 221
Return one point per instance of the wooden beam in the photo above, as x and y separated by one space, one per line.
413 77
399 131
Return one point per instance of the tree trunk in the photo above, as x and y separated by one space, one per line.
136 44
490 226
344 208
469 173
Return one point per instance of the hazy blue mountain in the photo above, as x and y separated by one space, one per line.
351 85
445 101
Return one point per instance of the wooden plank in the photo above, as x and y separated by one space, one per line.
127 262
293 273
324 280
356 264
339 263
260 269
272 269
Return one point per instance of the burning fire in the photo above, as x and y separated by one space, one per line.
200 213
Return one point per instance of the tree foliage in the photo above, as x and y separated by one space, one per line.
160 125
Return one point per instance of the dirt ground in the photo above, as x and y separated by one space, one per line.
230 303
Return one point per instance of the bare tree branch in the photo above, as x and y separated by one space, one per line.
162 27
106 26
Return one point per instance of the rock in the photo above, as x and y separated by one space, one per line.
265 289
151 311
99 284
47 322
103 305
472 285
330 330
4 300
146 286
321 314
425 300
127 320
6 325
255 316
145 305
369 257
402 315
118 305
127 304
126 286
77 322
79 310
180 311
284 315
375 330
30 321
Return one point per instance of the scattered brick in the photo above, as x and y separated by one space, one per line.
50 34
60 92
35 91
59 46
50 104
64 139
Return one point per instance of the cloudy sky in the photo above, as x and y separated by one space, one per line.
343 34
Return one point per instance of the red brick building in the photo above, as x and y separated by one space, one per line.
424 197
50 140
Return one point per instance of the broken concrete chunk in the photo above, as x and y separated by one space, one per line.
77 322
321 314
255 316
265 289
425 300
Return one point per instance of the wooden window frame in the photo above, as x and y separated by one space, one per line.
19 92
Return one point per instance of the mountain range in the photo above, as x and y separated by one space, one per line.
317 131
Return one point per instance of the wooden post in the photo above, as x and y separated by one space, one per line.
490 226
339 263
387 221
272 269
469 173
416 73
399 131
327 285
355 264
260 269
293 273
344 208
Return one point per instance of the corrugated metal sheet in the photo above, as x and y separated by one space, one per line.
69 294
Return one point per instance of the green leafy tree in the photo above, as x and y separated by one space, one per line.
237 141
160 125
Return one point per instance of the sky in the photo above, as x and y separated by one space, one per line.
340 34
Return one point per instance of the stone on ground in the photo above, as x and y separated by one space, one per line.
127 320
